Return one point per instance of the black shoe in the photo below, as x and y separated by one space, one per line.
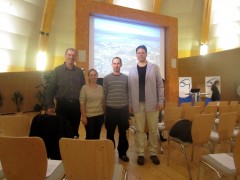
155 159
140 160
124 158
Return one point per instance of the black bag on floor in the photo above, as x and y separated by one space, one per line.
182 130
51 128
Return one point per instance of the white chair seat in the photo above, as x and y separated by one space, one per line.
214 136
223 162
55 170
118 170
235 132
217 121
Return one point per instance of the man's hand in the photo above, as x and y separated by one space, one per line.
160 107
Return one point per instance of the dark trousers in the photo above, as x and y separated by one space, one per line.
71 111
94 126
114 118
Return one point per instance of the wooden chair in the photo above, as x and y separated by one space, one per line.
199 136
234 102
217 162
213 103
171 116
225 109
170 104
237 127
210 109
26 158
223 103
14 125
199 103
90 159
183 104
189 112
223 134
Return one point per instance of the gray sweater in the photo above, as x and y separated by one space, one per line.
116 90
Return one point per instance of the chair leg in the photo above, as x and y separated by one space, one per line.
185 155
218 174
199 168
160 142
168 151
192 154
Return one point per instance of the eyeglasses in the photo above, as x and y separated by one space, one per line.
71 55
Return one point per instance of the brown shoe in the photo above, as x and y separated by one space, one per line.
140 160
155 159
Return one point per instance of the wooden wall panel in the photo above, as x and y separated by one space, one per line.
25 82
225 64
85 8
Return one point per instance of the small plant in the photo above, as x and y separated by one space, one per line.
18 98
41 93
41 96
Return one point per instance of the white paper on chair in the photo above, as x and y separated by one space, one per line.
52 165
224 159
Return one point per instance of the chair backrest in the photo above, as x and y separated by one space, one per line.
171 116
226 125
199 103
234 102
23 158
202 125
213 103
51 128
189 112
236 152
171 104
14 125
236 108
87 159
183 104
225 109
223 103
210 109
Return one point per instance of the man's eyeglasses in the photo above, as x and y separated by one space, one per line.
71 55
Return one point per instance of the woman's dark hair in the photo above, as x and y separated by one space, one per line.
215 82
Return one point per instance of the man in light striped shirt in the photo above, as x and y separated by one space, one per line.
116 98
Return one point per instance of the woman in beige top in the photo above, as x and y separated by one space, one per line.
92 106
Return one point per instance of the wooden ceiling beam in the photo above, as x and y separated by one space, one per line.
46 24
206 14
157 6
109 1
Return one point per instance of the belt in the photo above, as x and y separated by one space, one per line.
68 100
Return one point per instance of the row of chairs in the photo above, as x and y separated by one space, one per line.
24 157
202 103
202 126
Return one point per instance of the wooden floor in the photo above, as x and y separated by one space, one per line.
176 170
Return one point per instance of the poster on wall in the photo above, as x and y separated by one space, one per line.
185 85
208 84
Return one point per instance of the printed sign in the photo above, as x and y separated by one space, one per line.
208 84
